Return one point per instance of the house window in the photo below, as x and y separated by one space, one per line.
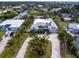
9 28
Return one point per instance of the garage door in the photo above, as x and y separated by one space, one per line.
53 30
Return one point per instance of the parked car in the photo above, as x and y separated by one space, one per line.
9 33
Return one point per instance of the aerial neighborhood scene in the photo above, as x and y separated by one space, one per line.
39 29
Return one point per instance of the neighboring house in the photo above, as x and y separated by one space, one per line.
8 11
38 16
55 9
21 15
45 24
74 27
44 9
16 7
40 5
66 17
11 25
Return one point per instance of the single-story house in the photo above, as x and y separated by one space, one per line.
44 9
7 11
11 25
16 7
37 16
55 9
45 24
67 17
40 5
74 27
21 15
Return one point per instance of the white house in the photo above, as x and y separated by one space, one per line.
74 27
55 9
11 25
67 17
47 25
8 11
21 15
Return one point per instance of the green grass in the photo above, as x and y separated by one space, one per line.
49 50
7 16
63 24
66 54
59 22
30 54
34 12
1 34
11 50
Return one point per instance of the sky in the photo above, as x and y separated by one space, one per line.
39 0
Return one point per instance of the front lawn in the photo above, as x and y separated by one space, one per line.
66 54
1 34
14 44
30 54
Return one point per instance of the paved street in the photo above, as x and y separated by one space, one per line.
55 45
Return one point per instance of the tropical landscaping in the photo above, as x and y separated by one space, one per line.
7 16
52 39
39 47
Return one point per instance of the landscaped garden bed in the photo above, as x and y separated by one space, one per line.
38 49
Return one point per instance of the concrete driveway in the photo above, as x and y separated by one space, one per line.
23 49
55 45
3 43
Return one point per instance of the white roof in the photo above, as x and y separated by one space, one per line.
44 21
6 11
67 18
13 23
74 25
55 9
41 20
